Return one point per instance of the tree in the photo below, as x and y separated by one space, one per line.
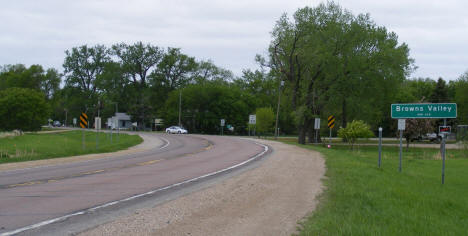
354 130
138 60
34 77
205 104
461 97
417 128
265 120
329 58
82 66
440 93
22 108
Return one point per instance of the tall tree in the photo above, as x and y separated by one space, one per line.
440 93
461 98
138 60
328 57
82 66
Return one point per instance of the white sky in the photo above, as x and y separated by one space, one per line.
228 32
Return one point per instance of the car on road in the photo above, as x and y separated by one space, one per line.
176 130
432 137
56 123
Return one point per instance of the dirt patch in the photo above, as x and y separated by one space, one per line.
268 200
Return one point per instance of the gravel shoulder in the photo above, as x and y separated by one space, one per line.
149 142
268 200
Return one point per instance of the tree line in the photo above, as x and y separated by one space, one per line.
329 61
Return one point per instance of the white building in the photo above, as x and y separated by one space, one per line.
120 120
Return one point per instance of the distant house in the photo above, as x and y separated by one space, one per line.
120 120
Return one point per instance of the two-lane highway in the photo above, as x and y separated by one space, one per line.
33 197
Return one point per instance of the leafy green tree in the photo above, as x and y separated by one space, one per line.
265 120
203 105
354 130
440 93
34 77
330 58
461 97
138 60
82 66
22 108
416 128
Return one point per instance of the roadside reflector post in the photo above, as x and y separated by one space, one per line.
83 124
380 146
443 152
401 127
331 124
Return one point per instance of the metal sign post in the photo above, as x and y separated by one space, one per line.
444 130
380 146
331 124
424 111
401 127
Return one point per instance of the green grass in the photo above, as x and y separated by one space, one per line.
361 199
36 146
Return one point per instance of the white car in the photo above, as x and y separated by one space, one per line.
176 130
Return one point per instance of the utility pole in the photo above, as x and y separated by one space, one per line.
118 122
180 106
277 109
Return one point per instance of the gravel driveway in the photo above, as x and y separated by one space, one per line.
268 200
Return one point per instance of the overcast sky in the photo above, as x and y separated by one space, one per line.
229 33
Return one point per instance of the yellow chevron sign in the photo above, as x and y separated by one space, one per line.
83 120
331 122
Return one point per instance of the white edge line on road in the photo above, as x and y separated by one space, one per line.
43 223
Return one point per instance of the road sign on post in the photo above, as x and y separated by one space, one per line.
83 120
252 119
445 129
223 121
424 110
83 125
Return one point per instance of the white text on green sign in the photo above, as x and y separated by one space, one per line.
424 110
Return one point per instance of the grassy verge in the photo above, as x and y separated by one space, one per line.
35 146
362 199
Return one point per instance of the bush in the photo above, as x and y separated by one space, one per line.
354 130
22 109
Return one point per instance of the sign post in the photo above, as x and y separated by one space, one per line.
316 127
331 124
83 125
223 121
252 121
444 130
424 111
401 127
380 146
97 127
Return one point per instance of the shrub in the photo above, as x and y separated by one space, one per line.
354 130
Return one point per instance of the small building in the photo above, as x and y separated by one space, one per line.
120 120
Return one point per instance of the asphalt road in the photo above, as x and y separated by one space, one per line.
39 196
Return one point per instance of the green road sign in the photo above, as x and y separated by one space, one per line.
424 110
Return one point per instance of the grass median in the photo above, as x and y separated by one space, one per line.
37 146
362 199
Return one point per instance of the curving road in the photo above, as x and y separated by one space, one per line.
33 197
